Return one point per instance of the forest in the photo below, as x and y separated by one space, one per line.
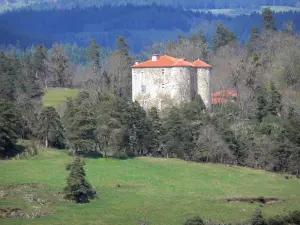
206 4
140 25
260 129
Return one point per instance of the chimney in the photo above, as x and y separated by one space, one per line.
155 57
137 62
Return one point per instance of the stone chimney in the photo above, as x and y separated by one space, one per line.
155 57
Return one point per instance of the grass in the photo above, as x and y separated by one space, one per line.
161 191
55 96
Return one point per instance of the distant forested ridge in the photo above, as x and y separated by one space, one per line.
140 25
204 4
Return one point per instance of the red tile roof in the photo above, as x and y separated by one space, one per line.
226 93
223 97
200 64
168 61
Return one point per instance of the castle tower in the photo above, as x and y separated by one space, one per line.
204 81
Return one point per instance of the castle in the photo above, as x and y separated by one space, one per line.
165 81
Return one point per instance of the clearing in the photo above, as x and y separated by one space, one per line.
161 191
56 96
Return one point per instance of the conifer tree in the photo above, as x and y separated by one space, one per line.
10 126
94 54
60 67
269 20
40 65
153 136
50 129
257 218
261 111
274 104
254 44
223 36
78 188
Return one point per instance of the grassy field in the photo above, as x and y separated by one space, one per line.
161 191
55 96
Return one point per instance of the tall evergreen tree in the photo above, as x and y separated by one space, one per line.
254 44
269 20
50 129
94 54
274 104
10 126
261 110
78 188
153 136
60 67
40 65
223 36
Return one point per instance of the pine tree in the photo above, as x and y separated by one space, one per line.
257 218
78 188
60 67
82 128
254 44
40 65
223 36
274 104
153 136
50 129
261 111
94 54
269 20
10 126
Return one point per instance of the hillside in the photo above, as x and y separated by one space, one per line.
135 23
203 4
161 191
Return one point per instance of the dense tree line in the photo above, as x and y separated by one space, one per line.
259 129
203 4
103 24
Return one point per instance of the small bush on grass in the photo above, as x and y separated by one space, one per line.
78 189
194 221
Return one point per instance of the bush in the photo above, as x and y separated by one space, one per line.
78 189
257 218
194 221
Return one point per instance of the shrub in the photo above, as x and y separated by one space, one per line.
194 221
78 189
257 218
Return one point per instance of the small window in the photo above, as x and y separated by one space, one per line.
143 87
143 78
163 86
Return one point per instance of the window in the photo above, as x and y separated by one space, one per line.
163 86
143 87
143 78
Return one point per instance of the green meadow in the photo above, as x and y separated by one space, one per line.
160 191
56 96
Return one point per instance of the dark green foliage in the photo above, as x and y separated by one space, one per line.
261 111
223 36
257 218
81 125
254 44
269 20
153 136
93 54
10 127
50 129
78 189
274 105
40 66
60 68
194 221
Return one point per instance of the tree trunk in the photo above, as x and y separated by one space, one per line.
46 142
